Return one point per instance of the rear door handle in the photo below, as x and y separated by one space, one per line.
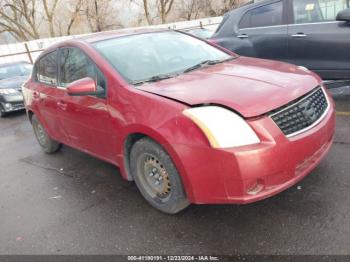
62 105
299 35
242 36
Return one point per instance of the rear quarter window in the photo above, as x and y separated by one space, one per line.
314 11
46 69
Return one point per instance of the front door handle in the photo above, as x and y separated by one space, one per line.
242 36
62 105
299 35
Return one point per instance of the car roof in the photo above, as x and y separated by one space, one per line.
249 5
91 38
96 37
252 4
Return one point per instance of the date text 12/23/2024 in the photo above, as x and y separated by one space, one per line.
173 258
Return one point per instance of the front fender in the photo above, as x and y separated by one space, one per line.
167 135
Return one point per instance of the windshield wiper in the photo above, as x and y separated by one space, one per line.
206 62
201 64
166 76
154 79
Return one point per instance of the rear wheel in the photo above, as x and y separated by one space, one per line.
156 177
45 141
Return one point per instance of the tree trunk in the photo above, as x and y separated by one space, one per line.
98 23
145 8
74 16
50 15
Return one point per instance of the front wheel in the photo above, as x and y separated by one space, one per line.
45 141
156 177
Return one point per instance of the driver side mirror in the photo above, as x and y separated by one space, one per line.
344 15
83 87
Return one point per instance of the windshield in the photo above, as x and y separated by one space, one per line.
146 56
13 70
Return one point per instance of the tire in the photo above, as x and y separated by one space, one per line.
49 145
150 164
2 112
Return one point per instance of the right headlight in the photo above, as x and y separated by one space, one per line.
222 127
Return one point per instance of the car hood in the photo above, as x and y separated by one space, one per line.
13 82
249 86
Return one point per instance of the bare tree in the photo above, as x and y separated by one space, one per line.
50 12
18 17
163 8
147 14
22 20
192 9
229 5
92 14
98 14
218 8
74 15
32 19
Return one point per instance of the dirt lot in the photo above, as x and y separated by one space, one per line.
71 203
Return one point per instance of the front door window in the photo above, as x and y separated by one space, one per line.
75 65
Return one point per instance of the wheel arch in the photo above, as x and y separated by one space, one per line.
31 113
135 136
129 142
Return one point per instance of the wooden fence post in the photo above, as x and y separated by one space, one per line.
28 53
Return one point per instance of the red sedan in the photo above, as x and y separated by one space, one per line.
188 121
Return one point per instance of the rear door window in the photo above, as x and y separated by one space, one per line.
267 15
46 69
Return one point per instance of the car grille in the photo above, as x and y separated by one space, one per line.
302 113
